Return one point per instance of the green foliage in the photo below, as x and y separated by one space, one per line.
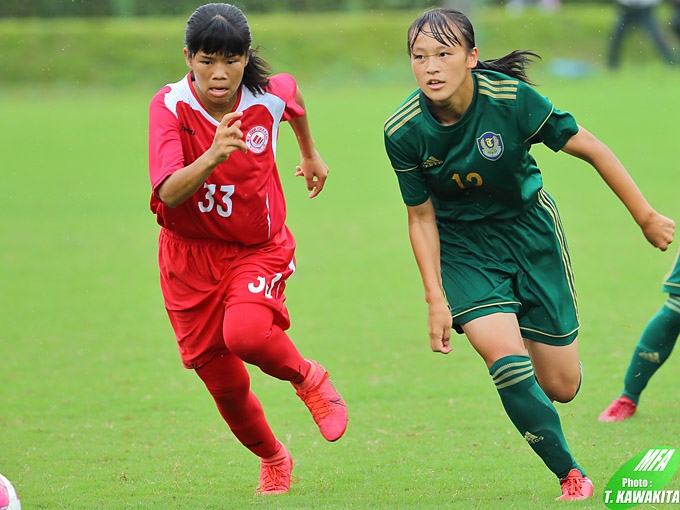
357 47
97 411
90 8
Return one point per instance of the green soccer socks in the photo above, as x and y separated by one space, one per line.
653 348
532 413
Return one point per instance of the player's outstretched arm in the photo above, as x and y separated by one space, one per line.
658 229
312 167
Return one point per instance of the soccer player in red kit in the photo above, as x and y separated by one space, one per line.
225 252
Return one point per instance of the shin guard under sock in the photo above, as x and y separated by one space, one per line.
227 380
532 413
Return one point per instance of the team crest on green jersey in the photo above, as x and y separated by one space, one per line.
490 145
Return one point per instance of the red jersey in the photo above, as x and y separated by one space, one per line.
242 200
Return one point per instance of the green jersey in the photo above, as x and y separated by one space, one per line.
671 282
480 167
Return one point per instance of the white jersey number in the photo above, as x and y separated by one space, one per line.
223 208
262 285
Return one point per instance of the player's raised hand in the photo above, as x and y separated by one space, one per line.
315 172
659 231
228 137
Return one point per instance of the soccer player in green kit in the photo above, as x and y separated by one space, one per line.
652 350
487 238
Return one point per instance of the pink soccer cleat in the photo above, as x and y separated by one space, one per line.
324 402
275 478
619 410
575 486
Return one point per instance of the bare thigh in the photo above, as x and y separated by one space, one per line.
495 336
557 368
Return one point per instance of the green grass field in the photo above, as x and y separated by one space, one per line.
97 411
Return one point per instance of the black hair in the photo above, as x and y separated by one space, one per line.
223 29
441 23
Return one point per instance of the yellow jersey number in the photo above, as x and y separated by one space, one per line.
472 180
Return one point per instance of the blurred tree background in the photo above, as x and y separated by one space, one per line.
138 43
105 8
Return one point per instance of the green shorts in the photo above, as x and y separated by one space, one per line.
519 266
671 283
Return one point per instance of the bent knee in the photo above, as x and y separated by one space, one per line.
246 326
562 389
562 393
246 338
562 396
225 377
236 333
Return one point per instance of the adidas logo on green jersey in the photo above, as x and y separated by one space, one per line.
432 162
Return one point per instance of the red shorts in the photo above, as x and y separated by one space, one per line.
201 278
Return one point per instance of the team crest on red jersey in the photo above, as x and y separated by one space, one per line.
257 139
490 145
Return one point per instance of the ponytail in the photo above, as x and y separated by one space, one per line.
513 64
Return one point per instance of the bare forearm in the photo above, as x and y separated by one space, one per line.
657 229
184 182
303 133
587 147
425 244
622 184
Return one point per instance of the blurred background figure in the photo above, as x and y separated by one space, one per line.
641 14
464 6
517 6
675 19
